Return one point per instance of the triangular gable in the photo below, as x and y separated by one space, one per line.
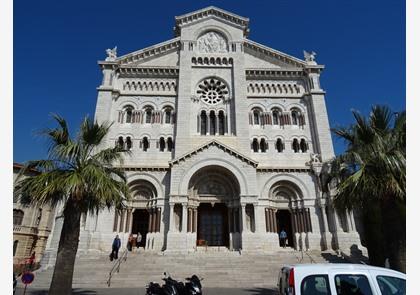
270 55
211 12
149 53
220 145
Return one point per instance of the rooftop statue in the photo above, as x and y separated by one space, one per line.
112 54
309 56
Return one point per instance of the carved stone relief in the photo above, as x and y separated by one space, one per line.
212 42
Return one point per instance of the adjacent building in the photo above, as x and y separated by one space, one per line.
31 225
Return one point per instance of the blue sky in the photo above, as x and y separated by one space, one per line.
57 45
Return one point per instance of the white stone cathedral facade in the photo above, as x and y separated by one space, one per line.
227 139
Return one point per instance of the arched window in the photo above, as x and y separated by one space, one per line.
170 144
279 145
221 123
148 115
17 217
303 146
295 145
128 143
276 117
256 116
295 116
203 121
263 145
255 145
15 245
120 142
168 115
212 123
145 144
162 144
129 118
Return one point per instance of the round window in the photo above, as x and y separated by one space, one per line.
212 91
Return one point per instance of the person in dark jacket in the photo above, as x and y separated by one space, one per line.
116 244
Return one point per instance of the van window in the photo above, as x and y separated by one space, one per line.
352 284
391 285
315 285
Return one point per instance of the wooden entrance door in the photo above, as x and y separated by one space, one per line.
213 224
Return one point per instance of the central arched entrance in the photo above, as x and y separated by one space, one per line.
214 192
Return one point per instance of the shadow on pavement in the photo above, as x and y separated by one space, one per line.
356 256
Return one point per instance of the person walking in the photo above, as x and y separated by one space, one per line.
283 238
116 244
139 237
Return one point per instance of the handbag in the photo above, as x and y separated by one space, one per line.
111 256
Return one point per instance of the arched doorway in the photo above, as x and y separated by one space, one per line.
284 222
214 191
286 198
143 195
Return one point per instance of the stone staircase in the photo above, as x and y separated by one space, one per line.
218 268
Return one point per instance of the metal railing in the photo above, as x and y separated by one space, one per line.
116 267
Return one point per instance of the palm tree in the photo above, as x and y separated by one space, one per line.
80 176
371 175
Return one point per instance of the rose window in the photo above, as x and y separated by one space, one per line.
212 91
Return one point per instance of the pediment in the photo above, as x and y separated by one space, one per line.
214 143
211 12
263 57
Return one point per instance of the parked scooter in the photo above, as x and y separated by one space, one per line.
174 287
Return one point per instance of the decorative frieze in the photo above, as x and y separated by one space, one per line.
150 86
274 89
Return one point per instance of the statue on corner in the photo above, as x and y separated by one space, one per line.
112 54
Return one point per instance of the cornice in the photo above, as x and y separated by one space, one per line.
261 74
284 169
149 72
144 168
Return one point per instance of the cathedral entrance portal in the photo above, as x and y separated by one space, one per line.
214 191
141 224
284 221
213 225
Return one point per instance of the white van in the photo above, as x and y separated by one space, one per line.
339 279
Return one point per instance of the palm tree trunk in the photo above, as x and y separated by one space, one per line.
394 230
62 279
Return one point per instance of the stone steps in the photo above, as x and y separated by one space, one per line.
224 269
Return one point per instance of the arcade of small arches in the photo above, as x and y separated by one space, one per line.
163 144
276 117
147 115
261 145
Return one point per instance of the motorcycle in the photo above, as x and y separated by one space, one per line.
173 287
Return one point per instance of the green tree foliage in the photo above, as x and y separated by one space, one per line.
82 177
371 177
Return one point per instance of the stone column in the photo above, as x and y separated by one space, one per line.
208 124
184 218
195 220
171 217
243 215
